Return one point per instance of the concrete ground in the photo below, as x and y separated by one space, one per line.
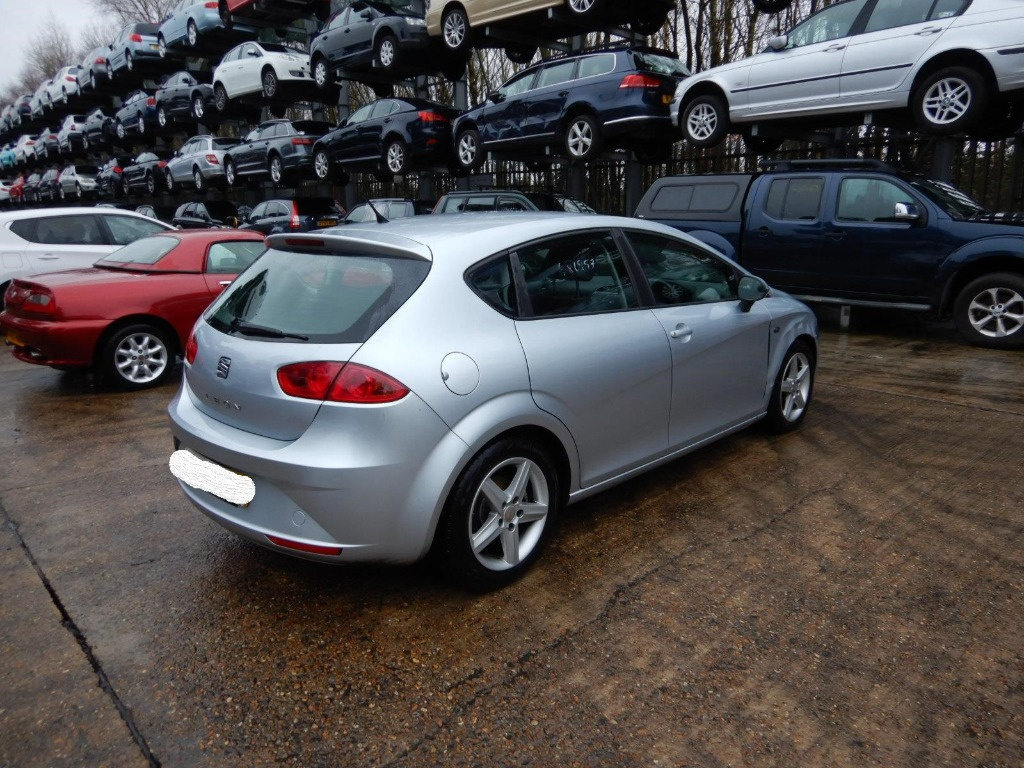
846 595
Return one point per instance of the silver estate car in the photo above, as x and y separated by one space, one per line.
952 62
199 163
445 385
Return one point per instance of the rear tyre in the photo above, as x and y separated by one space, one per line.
137 357
794 386
396 157
230 175
989 311
498 516
197 180
191 34
220 98
467 150
270 84
321 164
276 169
949 101
322 75
169 183
705 121
582 139
580 8
455 31
387 53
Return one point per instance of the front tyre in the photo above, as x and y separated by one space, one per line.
705 121
270 84
387 53
791 395
455 31
467 150
949 101
989 311
137 357
321 164
498 516
582 139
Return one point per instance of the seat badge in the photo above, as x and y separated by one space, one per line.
223 367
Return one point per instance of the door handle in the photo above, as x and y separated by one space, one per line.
836 47
764 232
224 283
928 31
48 257
682 331
563 94
837 234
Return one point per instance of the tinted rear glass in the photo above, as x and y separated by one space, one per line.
220 209
316 206
324 297
659 63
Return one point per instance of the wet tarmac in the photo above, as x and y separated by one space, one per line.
846 595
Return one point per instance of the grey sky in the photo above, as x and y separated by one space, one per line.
22 20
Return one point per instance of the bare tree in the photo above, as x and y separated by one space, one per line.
128 11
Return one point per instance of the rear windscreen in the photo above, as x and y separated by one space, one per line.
316 297
316 206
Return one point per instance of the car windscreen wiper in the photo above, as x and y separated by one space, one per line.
251 329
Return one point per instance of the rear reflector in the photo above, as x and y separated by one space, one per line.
315 549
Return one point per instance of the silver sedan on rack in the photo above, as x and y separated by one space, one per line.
199 163
444 385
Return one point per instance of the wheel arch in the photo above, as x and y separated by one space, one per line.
970 267
137 319
959 57
702 88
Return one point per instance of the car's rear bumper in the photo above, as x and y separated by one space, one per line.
44 342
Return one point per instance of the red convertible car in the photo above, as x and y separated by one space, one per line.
129 315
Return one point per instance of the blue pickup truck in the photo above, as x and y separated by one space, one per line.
859 232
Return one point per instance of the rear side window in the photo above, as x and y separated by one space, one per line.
318 297
60 230
233 256
795 199
692 197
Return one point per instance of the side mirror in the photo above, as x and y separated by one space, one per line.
496 97
778 42
751 289
906 212
251 52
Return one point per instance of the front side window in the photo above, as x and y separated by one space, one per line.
869 200
517 84
796 199
681 273
576 274
834 22
361 114
232 257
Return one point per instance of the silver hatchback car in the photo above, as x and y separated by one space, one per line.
952 62
445 385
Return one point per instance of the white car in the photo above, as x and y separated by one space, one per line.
953 63
39 101
63 85
24 149
262 69
54 239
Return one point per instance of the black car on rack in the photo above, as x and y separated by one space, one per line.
393 136
300 214
146 172
97 129
206 214
275 148
368 34
182 98
108 180
577 105
137 115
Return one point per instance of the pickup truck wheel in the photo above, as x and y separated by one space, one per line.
791 395
989 311
949 101
705 121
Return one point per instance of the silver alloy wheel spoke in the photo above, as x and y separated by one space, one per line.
997 312
581 138
947 101
795 387
454 31
140 358
581 6
387 53
396 158
702 122
467 151
511 511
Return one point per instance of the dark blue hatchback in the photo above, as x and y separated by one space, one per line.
575 106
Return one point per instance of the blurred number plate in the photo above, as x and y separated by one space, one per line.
666 98
328 222
13 340
206 476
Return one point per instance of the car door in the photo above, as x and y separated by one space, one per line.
250 64
803 76
346 143
331 42
371 131
715 342
598 362
544 104
501 122
57 243
246 153
358 36
879 60
870 254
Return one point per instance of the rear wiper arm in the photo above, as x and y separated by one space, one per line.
251 329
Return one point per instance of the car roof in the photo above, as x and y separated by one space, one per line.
464 238
7 216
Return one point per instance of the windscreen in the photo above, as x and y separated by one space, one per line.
954 202
147 251
316 297
660 64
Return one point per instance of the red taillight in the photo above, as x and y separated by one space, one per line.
70 78
640 81
191 348
212 159
31 299
301 546
339 383
295 222
302 141
136 38
151 101
117 169
432 117
100 60
161 163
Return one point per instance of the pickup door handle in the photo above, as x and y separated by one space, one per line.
836 234
764 232
682 331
